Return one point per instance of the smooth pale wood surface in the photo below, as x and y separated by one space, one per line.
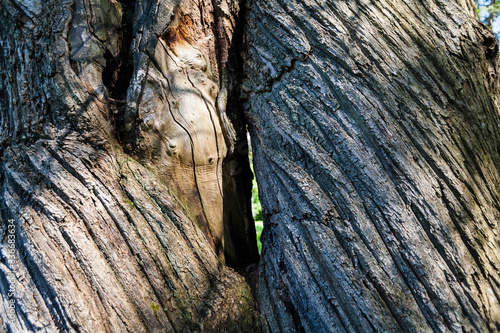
183 127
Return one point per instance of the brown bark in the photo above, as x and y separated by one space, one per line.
125 181
107 241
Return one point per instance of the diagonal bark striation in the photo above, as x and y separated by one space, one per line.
376 130
104 241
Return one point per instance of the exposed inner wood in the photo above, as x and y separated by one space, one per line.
108 241
181 123
177 119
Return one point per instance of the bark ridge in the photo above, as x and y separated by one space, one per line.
376 132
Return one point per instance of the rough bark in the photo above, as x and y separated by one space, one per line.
108 241
376 134
124 176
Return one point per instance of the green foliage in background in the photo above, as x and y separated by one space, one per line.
487 12
494 9
256 208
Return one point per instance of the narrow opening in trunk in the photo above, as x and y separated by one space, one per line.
256 207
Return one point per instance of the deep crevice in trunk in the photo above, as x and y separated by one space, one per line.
237 176
118 71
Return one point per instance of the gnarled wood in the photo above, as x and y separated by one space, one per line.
182 135
107 241
376 134
176 120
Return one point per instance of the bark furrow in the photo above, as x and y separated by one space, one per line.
375 127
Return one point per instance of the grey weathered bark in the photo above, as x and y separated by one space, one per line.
376 134
98 240
376 138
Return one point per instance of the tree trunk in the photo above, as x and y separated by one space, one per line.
125 176
376 135
114 166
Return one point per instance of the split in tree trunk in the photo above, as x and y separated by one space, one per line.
125 181
107 241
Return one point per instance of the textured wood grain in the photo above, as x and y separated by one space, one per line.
376 132
176 122
181 123
107 241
